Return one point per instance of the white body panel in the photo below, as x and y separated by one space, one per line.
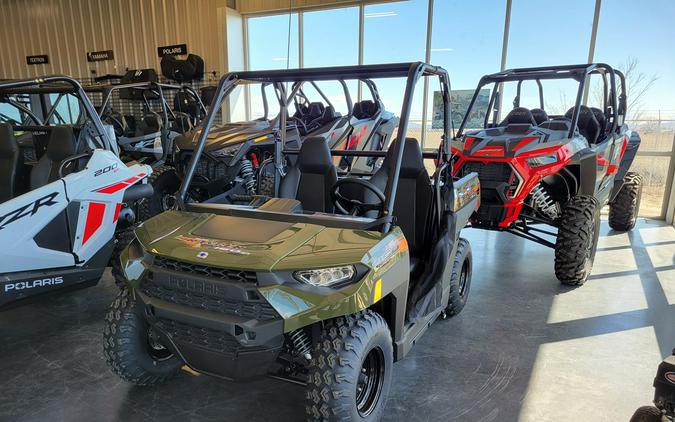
98 189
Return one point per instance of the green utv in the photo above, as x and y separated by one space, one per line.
326 284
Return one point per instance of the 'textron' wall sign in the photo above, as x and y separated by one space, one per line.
38 59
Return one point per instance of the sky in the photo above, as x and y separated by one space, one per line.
467 39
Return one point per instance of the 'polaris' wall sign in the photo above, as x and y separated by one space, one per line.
172 50
99 56
39 59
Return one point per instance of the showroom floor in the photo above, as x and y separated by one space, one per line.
524 348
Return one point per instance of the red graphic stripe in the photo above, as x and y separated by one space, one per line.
118 207
120 185
94 220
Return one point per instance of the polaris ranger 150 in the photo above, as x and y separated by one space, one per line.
556 170
326 284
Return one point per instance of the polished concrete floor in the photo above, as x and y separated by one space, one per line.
525 348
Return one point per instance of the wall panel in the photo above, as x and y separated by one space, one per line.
67 29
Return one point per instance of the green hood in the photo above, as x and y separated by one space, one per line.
252 244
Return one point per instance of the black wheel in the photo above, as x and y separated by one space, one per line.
122 240
131 349
577 240
165 183
460 280
646 414
623 211
350 372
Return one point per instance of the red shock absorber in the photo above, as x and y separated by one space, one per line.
254 160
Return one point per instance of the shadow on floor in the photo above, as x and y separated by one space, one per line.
516 352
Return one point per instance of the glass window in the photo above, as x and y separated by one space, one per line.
9 114
396 32
466 53
268 42
330 37
646 59
549 34
67 110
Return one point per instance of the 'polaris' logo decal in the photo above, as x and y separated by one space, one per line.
670 377
41 282
28 209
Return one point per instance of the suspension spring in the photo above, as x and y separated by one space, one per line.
301 343
247 173
541 201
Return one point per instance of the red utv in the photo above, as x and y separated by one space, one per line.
540 169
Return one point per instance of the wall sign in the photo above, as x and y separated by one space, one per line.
172 50
99 56
39 59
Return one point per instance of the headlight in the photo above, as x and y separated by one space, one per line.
326 276
543 160
231 150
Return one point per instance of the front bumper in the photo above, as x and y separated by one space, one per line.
218 326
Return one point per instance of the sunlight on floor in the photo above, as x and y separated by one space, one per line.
662 255
598 298
614 261
667 280
657 234
612 371
613 241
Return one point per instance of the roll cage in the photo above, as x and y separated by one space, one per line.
145 88
40 88
411 71
580 73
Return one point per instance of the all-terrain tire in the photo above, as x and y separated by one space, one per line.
646 414
623 211
577 240
122 240
164 181
126 346
266 185
336 366
460 279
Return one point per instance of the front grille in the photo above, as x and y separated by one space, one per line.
496 179
235 276
255 308
205 338
494 172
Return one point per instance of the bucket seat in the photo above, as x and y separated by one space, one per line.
311 179
9 162
413 195
61 146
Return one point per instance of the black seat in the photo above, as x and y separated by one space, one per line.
519 115
9 162
61 146
365 109
588 125
150 123
311 179
540 116
602 121
413 195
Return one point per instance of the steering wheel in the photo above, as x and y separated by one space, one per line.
354 206
299 122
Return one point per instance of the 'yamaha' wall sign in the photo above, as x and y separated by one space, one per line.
172 50
39 59
99 56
